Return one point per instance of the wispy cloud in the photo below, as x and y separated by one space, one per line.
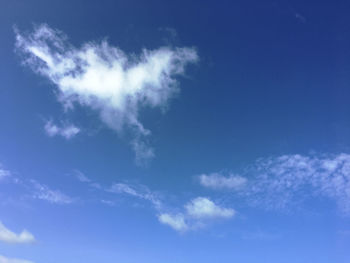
81 176
219 181
8 236
3 172
66 131
84 179
43 192
196 214
139 191
278 182
284 179
105 79
4 259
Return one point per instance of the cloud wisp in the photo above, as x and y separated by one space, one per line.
4 173
282 180
66 131
138 191
219 181
197 213
8 236
279 182
104 78
4 259
43 192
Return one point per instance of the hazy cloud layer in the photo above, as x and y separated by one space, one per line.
105 79
8 236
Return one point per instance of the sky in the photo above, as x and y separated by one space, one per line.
174 131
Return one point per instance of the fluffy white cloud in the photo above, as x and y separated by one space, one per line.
282 180
66 131
4 259
197 213
202 207
43 192
177 221
104 78
8 236
218 181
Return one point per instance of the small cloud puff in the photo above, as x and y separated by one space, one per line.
66 131
202 207
3 172
197 213
176 221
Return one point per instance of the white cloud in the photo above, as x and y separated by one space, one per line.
81 176
43 192
139 191
202 208
4 259
67 131
197 213
104 78
218 181
4 173
8 236
283 180
84 179
177 221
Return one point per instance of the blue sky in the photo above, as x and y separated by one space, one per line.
183 131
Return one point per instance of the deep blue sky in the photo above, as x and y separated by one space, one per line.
272 79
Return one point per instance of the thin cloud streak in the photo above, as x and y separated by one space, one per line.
4 259
43 192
